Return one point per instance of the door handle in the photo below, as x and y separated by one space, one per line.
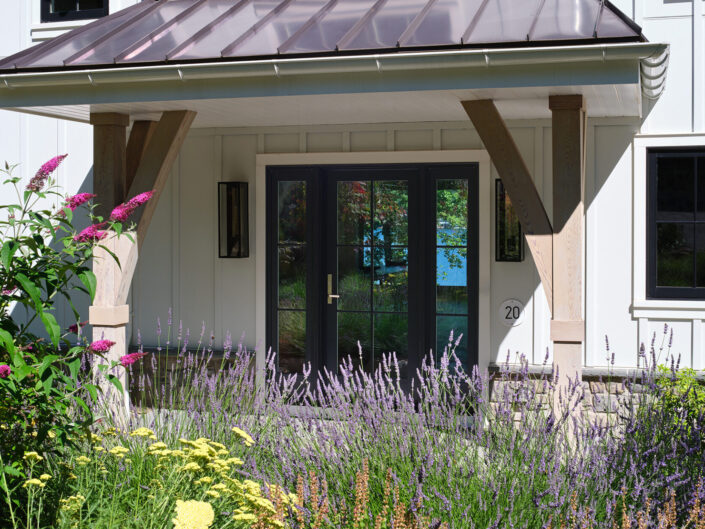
331 296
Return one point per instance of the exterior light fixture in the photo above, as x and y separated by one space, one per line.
233 225
509 239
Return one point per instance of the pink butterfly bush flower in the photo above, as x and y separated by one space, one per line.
122 212
131 358
141 199
78 200
92 233
39 179
5 370
101 346
74 328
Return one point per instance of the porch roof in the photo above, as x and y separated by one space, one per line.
167 31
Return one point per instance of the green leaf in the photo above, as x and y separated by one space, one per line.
8 250
74 366
48 360
22 371
12 471
51 326
115 381
89 281
92 391
32 290
8 342
83 405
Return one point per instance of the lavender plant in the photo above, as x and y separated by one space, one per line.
455 457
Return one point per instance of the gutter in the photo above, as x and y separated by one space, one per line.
653 59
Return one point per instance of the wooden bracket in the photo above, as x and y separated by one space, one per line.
156 162
140 134
519 185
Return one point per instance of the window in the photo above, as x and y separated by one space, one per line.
58 10
676 223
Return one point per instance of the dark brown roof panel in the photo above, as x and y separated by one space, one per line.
156 31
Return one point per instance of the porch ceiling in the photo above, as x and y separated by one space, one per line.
390 107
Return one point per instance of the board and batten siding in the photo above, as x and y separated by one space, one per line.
179 267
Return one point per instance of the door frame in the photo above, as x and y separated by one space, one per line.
481 157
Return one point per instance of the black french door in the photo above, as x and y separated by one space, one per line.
363 261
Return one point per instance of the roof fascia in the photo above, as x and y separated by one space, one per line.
439 70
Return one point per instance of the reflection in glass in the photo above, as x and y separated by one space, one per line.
701 189
292 340
354 204
354 285
509 240
674 255
391 336
452 212
700 255
354 327
676 190
292 212
391 213
292 277
391 279
458 325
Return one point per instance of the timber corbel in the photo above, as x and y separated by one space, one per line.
519 185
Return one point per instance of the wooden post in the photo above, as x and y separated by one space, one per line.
568 325
109 145
109 313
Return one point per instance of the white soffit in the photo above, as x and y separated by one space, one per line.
396 107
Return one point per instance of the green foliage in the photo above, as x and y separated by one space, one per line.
43 392
683 394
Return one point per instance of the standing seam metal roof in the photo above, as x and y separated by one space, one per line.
164 31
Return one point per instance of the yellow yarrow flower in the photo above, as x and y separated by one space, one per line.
157 446
205 480
212 494
34 482
119 451
244 435
72 504
192 466
32 456
193 514
99 449
45 477
244 516
144 432
83 460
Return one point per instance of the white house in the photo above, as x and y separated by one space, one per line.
374 137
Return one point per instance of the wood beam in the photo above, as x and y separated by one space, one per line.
519 185
568 326
109 147
157 161
140 134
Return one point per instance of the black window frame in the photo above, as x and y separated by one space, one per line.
653 291
422 320
87 14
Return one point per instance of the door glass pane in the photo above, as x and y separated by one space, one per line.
451 280
457 325
90 4
392 336
354 327
391 279
452 212
674 255
354 282
292 212
292 277
391 213
676 188
57 6
292 340
354 204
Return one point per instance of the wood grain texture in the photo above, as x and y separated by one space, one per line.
157 161
519 185
140 134
109 152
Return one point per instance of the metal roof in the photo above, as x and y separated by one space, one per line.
169 31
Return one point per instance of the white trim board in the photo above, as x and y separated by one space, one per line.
378 157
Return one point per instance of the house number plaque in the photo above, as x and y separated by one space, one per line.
511 312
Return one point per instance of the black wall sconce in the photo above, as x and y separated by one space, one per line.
233 225
509 238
